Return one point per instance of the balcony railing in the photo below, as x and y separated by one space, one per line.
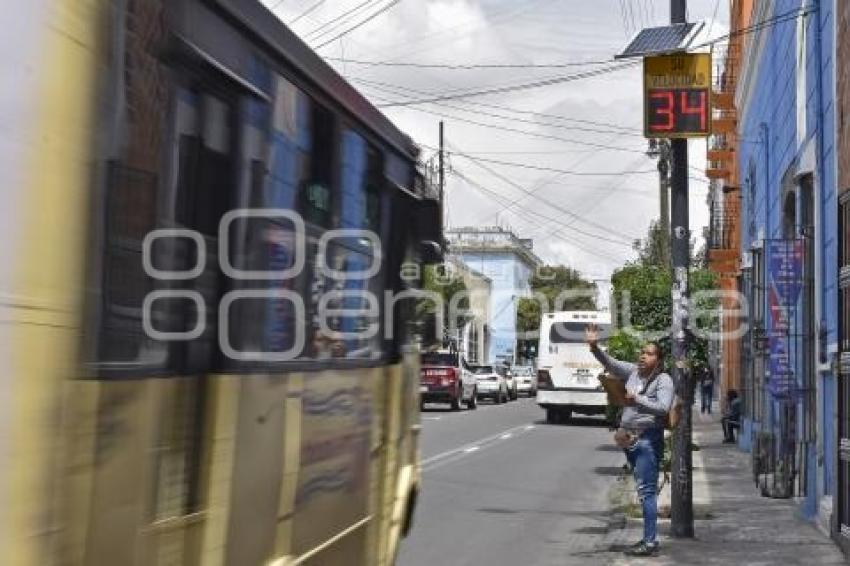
724 226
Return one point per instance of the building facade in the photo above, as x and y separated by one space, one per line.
774 239
841 355
508 262
474 337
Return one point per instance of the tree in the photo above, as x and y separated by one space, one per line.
652 250
446 283
551 282
643 301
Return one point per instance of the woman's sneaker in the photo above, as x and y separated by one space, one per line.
642 549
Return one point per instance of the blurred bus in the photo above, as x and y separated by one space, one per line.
567 373
204 360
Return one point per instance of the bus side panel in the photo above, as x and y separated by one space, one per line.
49 69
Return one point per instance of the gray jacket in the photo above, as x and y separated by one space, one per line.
651 406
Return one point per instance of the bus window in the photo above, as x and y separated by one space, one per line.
573 332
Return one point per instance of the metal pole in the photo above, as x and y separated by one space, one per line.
664 190
442 171
682 512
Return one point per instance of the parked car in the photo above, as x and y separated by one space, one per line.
491 385
526 380
510 381
445 378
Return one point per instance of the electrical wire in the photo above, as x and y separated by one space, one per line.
368 19
472 66
624 130
548 202
555 170
514 88
791 15
498 196
335 23
308 11
398 90
517 130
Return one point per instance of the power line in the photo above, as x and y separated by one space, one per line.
758 26
472 66
517 130
330 23
498 196
546 182
713 17
554 170
495 18
394 89
622 130
524 86
308 11
359 25
548 202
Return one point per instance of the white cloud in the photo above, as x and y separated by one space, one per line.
539 32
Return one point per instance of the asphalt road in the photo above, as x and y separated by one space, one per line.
503 488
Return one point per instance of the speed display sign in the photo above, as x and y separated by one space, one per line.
677 95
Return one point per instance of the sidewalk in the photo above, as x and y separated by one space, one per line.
733 523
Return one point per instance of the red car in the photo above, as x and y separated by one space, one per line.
445 378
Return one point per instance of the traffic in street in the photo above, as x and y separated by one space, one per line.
502 487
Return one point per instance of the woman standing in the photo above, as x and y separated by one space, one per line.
649 396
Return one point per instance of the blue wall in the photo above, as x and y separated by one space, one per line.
509 277
769 149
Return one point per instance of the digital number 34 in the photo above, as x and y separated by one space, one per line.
669 108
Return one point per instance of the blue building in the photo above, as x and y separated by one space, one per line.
508 262
786 163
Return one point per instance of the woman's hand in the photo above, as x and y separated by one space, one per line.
591 335
630 399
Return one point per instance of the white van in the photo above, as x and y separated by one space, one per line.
567 373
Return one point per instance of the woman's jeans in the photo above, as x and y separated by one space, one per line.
645 457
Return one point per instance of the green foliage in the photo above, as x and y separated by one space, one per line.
527 315
441 280
551 282
644 302
624 346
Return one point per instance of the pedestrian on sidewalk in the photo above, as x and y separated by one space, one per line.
649 396
706 389
731 416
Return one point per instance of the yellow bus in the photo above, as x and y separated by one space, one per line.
204 339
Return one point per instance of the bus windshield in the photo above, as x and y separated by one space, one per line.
573 332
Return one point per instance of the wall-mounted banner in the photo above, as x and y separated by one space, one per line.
785 282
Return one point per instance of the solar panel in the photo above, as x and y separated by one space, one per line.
664 39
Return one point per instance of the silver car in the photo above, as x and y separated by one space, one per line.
490 384
510 381
526 380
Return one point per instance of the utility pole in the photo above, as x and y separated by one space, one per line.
682 512
660 149
664 197
442 171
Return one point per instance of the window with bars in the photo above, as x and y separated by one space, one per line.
843 491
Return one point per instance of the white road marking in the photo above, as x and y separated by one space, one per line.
458 453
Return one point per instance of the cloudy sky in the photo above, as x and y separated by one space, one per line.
562 163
